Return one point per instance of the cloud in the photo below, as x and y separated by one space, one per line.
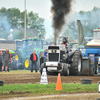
38 6
12 3
85 5
48 28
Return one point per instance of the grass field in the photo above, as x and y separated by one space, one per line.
39 89
48 89
18 72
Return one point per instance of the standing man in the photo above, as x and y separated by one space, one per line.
1 59
6 57
33 58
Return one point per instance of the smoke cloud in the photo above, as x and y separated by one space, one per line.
59 9
4 23
4 26
89 19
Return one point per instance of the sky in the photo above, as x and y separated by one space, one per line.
42 7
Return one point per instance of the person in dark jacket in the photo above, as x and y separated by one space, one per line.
6 57
33 58
65 42
1 60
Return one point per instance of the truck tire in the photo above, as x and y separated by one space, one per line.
41 60
91 68
96 66
41 69
27 63
10 66
76 66
15 67
91 71
8 69
65 70
18 56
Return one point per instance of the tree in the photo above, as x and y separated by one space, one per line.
18 34
34 22
3 11
13 15
14 18
52 38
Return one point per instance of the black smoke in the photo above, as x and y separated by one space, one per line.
59 9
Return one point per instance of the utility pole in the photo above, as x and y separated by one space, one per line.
25 20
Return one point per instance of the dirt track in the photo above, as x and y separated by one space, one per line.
35 78
28 77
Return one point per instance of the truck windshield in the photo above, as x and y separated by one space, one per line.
35 44
32 44
96 35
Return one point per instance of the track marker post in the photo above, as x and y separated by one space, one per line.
44 79
59 85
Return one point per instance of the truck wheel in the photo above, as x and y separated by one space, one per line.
14 65
10 66
76 66
41 69
65 70
8 69
91 71
18 56
96 66
27 63
41 60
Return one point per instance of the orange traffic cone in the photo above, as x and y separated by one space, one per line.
59 85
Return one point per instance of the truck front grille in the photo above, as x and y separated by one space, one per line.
53 56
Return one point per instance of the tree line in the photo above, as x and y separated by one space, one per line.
13 18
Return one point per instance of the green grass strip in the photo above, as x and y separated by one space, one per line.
49 89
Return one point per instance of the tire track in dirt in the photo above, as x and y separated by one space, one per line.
35 78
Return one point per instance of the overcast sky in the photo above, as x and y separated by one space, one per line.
43 8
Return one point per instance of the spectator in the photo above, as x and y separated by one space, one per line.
6 57
33 58
1 59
